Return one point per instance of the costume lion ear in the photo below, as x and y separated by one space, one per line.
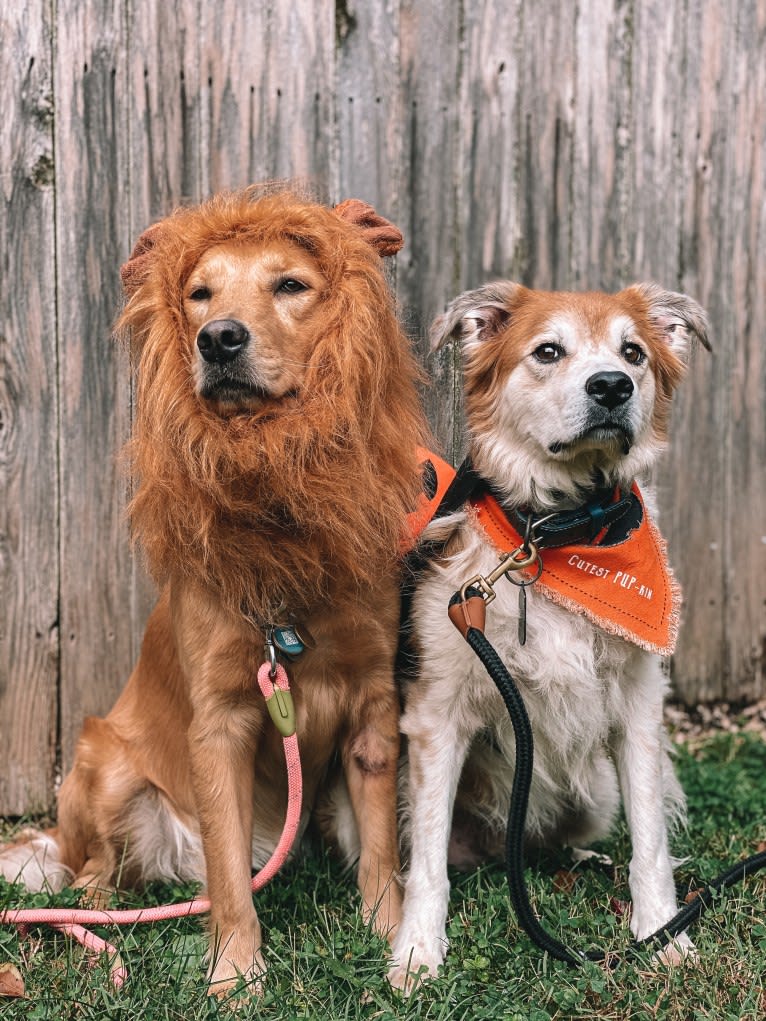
379 232
135 270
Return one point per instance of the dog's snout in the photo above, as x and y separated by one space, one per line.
222 340
609 389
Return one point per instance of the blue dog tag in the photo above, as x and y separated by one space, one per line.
287 641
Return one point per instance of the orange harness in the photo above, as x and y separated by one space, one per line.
627 589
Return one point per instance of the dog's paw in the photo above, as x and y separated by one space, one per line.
406 978
415 964
234 974
675 951
680 949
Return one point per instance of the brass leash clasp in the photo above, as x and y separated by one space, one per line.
516 560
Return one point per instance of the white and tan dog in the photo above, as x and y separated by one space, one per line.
567 399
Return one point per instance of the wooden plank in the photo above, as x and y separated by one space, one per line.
743 200
232 94
600 96
161 94
297 129
267 109
518 141
545 136
91 219
369 105
29 633
696 475
489 202
428 272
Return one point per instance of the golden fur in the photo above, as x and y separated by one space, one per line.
327 462
278 491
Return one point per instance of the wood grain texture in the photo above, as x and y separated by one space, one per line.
747 442
91 221
428 275
161 96
269 96
29 633
368 105
737 280
563 145
717 536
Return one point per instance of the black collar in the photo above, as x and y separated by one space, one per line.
604 509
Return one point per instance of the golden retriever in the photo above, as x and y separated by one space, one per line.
274 455
567 399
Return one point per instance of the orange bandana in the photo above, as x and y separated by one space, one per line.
627 589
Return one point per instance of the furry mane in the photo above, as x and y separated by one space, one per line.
308 495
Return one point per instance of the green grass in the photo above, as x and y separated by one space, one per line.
326 964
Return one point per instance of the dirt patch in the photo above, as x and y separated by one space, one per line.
691 725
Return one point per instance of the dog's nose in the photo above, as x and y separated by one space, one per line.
609 388
221 340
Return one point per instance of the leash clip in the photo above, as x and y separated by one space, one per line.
270 652
508 563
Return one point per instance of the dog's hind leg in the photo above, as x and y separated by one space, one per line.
33 858
85 847
93 811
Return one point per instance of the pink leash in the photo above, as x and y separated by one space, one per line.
72 920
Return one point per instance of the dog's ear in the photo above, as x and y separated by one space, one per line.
379 232
135 270
476 315
678 316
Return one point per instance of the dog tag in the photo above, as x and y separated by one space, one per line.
522 614
287 641
304 636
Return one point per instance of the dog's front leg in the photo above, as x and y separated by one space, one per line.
222 753
436 756
219 658
644 770
370 761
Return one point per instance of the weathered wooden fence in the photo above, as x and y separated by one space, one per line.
562 144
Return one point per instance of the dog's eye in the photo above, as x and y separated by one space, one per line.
290 286
632 353
200 294
547 353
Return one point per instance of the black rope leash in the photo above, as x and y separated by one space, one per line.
468 617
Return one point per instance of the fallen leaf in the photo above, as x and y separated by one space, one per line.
691 895
11 982
621 908
564 880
